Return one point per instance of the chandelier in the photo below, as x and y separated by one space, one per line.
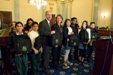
38 3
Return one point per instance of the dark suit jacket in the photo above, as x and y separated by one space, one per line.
58 30
65 35
45 33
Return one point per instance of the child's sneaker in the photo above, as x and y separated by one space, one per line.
69 63
65 66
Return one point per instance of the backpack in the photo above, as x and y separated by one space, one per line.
56 39
22 44
73 40
94 34
83 34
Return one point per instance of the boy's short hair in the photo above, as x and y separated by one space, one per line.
73 18
92 23
18 23
34 23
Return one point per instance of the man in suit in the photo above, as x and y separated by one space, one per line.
45 32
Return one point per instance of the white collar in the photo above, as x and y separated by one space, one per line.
34 31
48 21
18 33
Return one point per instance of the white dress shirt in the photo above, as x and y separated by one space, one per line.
69 30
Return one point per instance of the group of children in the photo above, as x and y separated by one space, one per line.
26 41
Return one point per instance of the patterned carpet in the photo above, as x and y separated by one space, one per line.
75 69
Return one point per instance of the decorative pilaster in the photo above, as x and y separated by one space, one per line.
63 9
16 10
43 12
66 10
58 7
71 8
96 8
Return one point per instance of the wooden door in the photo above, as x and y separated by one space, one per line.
6 17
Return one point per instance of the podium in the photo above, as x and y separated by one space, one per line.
6 60
100 53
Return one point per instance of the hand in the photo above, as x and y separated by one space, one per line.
67 39
84 42
93 40
18 54
52 32
35 51
72 32
41 50
63 46
56 46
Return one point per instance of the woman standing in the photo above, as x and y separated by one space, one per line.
56 47
67 32
28 26
84 36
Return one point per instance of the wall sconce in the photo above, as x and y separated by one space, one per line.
103 15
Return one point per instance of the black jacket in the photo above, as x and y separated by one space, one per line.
15 45
75 28
45 32
58 30
38 43
65 35
83 35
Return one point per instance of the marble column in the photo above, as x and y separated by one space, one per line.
70 8
43 12
63 11
111 23
95 13
16 10
66 9
58 7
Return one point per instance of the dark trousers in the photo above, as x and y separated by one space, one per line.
35 62
56 52
45 57
21 63
82 53
73 55
90 50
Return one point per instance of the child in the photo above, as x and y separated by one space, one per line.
67 31
35 55
19 44
94 36
84 36
75 26
12 28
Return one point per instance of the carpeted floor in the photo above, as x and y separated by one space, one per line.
76 69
